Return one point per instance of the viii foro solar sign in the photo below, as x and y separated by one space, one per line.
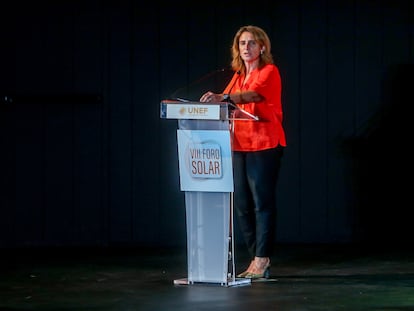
205 160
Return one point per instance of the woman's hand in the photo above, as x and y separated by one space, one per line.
211 97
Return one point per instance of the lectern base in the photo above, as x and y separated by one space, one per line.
230 282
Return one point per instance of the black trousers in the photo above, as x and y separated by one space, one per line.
255 178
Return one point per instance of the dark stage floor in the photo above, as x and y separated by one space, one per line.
302 278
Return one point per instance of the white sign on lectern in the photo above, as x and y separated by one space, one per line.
205 160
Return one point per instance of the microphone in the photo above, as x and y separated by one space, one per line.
199 80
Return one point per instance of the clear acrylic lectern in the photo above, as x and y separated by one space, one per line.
204 137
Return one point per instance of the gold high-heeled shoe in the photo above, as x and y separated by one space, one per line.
265 274
245 273
262 270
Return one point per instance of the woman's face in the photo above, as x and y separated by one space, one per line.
249 48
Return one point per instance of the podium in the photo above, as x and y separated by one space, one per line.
204 138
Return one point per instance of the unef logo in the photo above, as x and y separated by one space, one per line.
193 111
204 160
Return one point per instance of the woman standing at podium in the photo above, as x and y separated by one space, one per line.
257 145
